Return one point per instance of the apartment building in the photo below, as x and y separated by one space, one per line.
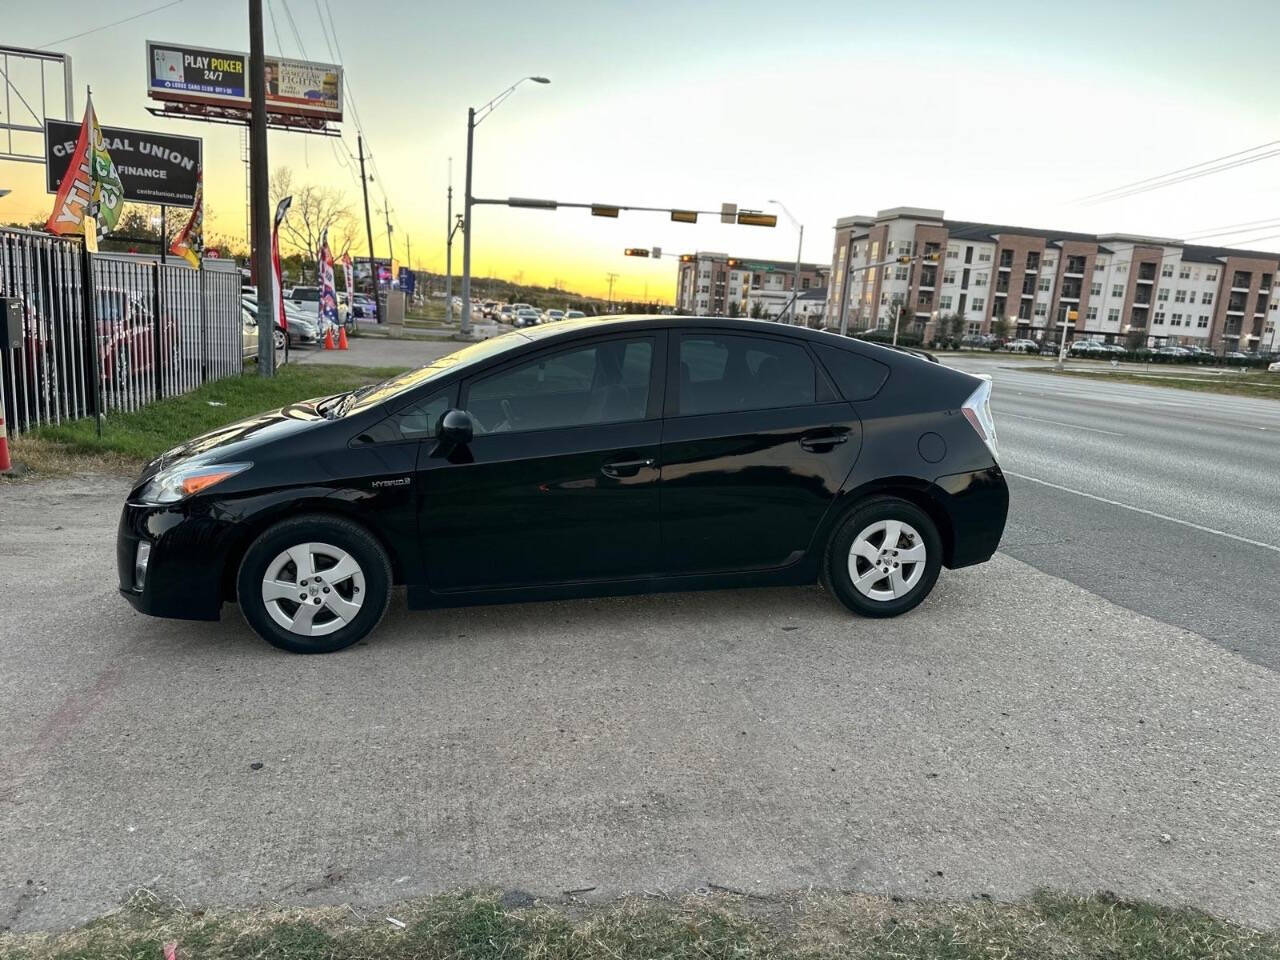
717 284
1126 289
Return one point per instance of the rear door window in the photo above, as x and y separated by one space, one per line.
726 373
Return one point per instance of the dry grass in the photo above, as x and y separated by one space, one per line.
493 926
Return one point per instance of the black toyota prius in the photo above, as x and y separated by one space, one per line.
582 458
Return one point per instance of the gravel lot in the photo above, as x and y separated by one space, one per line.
1015 731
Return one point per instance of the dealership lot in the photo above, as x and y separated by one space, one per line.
1014 731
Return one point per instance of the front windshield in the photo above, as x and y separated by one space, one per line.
377 393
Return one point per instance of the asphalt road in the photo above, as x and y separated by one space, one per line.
1164 501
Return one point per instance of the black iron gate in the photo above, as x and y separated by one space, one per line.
142 331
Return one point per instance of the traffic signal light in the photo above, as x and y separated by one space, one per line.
684 216
597 210
904 259
687 258
734 263
754 218
930 258
636 252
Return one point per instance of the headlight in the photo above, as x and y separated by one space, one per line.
185 480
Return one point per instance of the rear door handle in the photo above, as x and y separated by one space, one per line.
626 468
824 441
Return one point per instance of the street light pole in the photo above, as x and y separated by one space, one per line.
468 200
448 252
795 280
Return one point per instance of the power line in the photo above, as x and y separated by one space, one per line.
1161 176
114 23
1224 226
1184 174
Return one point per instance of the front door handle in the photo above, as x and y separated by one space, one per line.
823 442
626 468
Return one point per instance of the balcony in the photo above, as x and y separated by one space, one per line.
1147 272
1074 267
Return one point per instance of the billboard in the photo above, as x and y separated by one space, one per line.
153 167
181 73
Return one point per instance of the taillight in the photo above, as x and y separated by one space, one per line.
977 410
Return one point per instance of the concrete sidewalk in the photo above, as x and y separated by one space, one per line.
1013 732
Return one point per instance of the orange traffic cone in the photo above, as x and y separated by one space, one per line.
5 465
342 338
328 338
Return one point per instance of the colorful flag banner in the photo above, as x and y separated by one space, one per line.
277 287
348 273
327 306
189 244
91 186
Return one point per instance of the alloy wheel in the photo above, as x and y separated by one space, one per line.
887 560
313 589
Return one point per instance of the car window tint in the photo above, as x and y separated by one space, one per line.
722 374
856 376
605 382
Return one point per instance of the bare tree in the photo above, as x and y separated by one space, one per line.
313 210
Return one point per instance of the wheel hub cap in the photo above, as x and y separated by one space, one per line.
313 589
887 560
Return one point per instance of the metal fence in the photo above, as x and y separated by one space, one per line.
142 331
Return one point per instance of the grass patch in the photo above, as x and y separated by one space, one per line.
130 438
1261 384
490 926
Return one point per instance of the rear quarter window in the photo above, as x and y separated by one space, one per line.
856 377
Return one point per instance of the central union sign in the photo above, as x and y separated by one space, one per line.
153 167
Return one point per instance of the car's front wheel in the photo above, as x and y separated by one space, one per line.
314 584
883 558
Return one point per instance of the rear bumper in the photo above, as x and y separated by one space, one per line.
977 504
184 578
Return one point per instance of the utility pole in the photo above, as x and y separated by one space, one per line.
368 227
611 277
465 327
259 194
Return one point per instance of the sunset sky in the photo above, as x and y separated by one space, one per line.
991 111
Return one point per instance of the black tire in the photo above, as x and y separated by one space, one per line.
355 540
835 572
277 338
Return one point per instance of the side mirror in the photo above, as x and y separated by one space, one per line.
456 428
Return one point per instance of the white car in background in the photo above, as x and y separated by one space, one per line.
528 317
552 315
574 314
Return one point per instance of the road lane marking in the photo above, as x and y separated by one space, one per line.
1149 513
1061 423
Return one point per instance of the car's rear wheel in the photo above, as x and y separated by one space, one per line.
883 558
314 584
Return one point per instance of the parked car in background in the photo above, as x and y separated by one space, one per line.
1022 345
363 305
1274 367
127 335
302 328
1173 351
977 340
680 452
1049 348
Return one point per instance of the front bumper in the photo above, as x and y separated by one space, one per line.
189 552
